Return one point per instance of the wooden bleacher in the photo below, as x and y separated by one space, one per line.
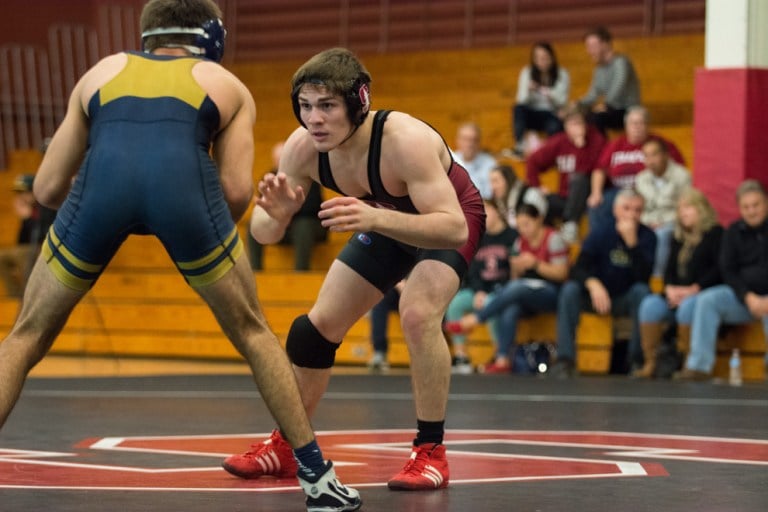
446 88
142 307
151 312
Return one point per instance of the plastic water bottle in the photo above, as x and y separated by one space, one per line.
734 365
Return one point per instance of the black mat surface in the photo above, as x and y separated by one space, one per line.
704 447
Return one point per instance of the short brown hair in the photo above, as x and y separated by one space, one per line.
660 144
341 72
575 110
336 69
175 13
599 32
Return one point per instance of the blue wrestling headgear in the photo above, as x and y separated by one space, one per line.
208 42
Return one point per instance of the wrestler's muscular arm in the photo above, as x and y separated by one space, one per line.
233 145
67 148
413 162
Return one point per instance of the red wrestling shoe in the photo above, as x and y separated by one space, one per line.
273 457
427 469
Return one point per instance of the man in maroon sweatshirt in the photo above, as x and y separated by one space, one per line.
575 153
621 160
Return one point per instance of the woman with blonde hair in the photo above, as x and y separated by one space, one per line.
692 266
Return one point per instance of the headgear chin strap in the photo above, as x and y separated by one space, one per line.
209 40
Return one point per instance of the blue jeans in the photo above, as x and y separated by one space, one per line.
461 304
574 298
664 234
517 299
655 309
380 316
714 306
602 214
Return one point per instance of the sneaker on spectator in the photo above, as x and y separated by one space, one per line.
516 153
453 327
495 367
427 469
326 494
570 231
273 457
504 153
562 369
461 365
378 363
692 375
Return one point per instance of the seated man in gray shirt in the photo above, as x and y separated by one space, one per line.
614 86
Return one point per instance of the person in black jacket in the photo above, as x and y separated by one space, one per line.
743 297
610 276
692 266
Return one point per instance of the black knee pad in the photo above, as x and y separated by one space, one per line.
307 348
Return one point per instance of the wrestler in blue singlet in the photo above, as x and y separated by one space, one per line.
151 182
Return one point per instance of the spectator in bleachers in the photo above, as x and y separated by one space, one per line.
619 163
614 86
489 271
542 90
539 267
743 298
304 230
574 152
470 155
35 219
692 267
610 276
661 183
379 318
509 192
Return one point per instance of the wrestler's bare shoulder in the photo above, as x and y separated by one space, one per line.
98 75
409 129
299 154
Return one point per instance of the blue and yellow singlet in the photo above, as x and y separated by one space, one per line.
147 170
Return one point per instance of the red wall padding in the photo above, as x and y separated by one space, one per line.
731 133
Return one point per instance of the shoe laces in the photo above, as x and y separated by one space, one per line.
259 450
418 461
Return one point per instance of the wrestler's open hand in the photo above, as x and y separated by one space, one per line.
347 214
278 198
